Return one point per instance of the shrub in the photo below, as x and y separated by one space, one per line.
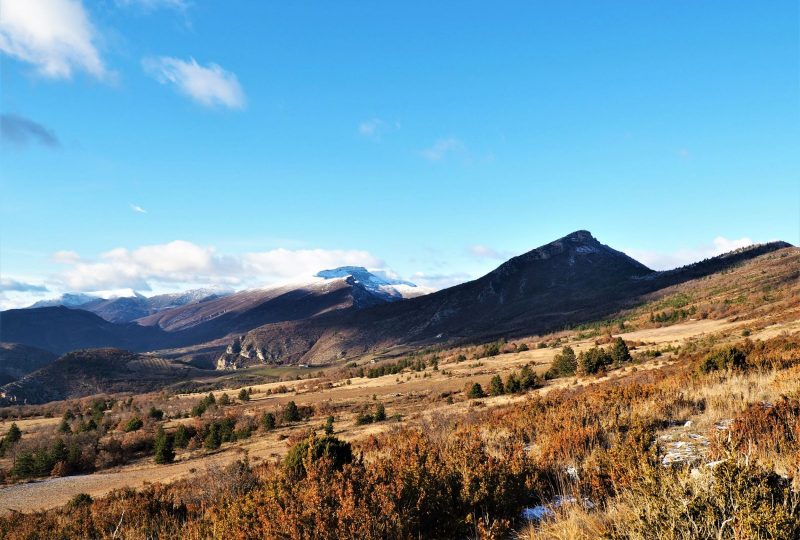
729 357
244 395
337 451
134 424
155 414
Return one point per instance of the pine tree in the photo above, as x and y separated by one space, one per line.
619 351
527 378
243 395
268 421
512 385
496 386
380 413
476 391
329 426
564 364
164 452
181 439
291 412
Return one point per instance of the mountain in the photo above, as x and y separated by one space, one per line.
329 290
88 372
197 316
68 300
18 360
127 308
572 280
61 329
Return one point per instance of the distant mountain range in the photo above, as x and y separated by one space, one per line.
123 309
343 313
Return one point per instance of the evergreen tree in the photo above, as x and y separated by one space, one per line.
14 434
593 360
181 439
164 452
527 378
268 421
496 386
243 395
476 391
329 426
224 400
212 440
380 413
512 385
291 413
619 351
565 364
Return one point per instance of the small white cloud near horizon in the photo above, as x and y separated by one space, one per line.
683 256
56 36
138 209
65 257
152 5
208 85
441 148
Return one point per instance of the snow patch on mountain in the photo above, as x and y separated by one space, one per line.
378 283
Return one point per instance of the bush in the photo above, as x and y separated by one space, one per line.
155 414
337 451
244 395
134 424
729 357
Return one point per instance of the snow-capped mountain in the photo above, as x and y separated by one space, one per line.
128 305
67 300
381 285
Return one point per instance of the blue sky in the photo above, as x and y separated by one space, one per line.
159 144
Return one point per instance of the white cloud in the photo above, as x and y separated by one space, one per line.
184 262
138 209
65 257
666 261
485 252
56 36
442 148
375 128
10 284
207 85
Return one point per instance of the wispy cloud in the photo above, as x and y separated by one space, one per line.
152 5
376 128
441 148
481 251
12 285
208 85
138 209
19 130
56 36
680 257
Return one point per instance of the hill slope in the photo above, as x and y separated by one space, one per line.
88 372
18 360
569 281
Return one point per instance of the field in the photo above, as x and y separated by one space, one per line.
410 398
